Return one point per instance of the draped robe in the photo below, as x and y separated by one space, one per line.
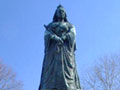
59 67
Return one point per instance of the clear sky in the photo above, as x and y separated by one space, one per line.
97 25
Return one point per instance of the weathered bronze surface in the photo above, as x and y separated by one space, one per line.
59 67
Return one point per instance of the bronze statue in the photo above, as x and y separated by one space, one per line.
59 67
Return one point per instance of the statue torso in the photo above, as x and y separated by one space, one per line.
59 28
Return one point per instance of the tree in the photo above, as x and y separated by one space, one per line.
105 75
8 79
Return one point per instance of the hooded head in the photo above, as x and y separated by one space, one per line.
60 14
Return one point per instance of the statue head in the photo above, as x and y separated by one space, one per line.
60 14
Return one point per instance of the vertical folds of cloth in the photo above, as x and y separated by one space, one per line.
59 67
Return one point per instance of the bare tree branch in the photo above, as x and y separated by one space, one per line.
8 79
105 75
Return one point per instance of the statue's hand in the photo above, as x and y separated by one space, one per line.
64 37
58 39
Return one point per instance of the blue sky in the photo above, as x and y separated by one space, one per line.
97 25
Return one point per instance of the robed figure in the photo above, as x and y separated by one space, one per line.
59 67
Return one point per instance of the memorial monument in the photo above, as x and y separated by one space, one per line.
59 67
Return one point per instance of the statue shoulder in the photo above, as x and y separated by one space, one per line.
70 25
71 28
52 25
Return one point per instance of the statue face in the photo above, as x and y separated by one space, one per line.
60 13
